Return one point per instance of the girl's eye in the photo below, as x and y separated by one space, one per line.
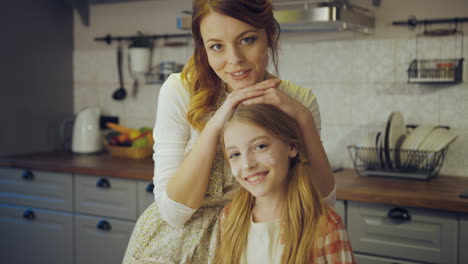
261 146
234 155
248 40
216 47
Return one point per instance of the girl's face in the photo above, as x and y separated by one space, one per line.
237 51
259 161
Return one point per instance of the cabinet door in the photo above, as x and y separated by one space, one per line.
106 196
29 235
340 208
145 195
101 240
364 259
463 240
42 189
405 233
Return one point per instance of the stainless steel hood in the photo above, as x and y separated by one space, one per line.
322 16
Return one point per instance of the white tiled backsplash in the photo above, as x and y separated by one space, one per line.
358 82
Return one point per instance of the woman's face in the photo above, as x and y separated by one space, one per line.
259 161
237 51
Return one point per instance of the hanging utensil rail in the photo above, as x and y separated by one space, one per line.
413 22
109 38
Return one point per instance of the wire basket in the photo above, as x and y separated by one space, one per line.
399 163
436 71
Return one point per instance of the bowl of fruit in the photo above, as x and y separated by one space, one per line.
127 142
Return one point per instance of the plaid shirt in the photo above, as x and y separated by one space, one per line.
334 249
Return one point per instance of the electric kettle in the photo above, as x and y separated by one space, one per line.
86 136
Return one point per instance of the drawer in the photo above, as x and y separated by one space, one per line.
106 196
340 208
101 240
30 235
364 259
411 233
145 195
41 189
463 239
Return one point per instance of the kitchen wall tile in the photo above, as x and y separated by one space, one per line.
358 83
454 106
84 95
334 101
419 105
456 162
369 106
379 55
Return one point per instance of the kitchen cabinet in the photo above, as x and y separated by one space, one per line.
340 208
101 239
106 196
36 222
51 217
32 235
411 234
145 195
463 241
365 259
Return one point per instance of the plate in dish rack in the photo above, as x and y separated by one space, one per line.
395 134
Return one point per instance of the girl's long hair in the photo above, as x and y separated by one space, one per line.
303 215
199 78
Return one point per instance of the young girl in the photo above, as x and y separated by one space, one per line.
278 216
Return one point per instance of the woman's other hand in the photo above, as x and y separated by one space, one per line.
284 102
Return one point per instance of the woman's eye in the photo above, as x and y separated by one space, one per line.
216 47
248 40
261 146
233 155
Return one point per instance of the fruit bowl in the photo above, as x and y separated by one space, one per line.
129 151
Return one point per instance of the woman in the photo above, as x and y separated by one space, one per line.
234 43
278 215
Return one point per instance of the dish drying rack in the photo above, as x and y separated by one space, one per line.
418 164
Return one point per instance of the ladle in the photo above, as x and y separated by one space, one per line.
120 93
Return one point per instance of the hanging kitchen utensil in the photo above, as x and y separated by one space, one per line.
135 84
120 93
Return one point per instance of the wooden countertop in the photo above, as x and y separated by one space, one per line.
439 193
101 164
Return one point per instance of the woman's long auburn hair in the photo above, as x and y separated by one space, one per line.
199 78
303 215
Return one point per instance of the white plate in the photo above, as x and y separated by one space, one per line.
395 134
412 143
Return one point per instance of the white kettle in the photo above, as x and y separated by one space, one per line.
86 136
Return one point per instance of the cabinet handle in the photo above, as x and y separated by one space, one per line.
399 213
104 225
150 188
27 175
103 183
29 214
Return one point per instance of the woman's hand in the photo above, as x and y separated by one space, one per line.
238 96
284 102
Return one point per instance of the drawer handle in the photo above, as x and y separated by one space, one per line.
29 214
399 213
103 183
150 188
104 225
27 175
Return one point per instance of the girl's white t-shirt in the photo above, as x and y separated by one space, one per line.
263 246
174 138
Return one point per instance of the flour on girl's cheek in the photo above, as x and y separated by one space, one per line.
267 159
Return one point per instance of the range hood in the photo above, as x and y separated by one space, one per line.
322 16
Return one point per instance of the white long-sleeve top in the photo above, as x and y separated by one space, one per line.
174 138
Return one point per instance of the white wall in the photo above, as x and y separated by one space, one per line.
359 80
